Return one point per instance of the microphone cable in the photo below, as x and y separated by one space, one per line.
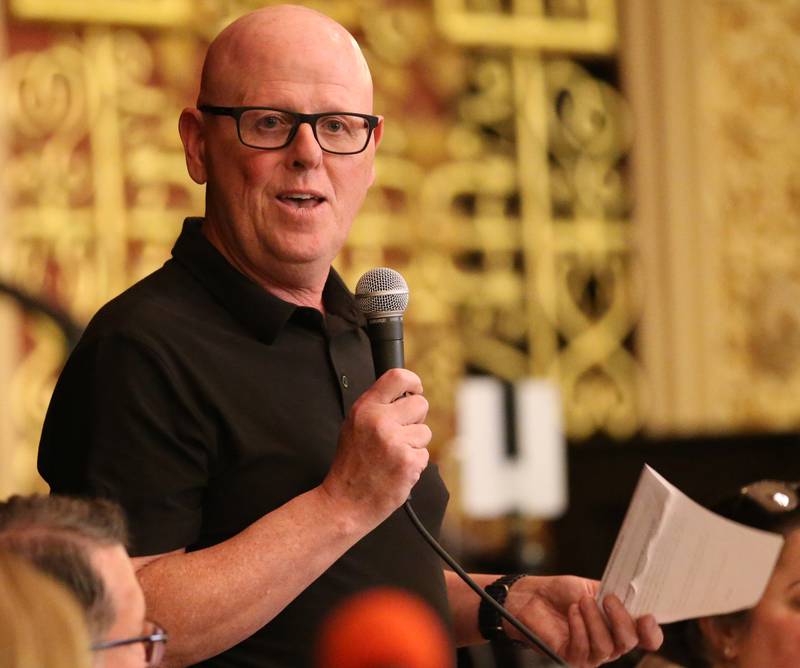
524 630
382 297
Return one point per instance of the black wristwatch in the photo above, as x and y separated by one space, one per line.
490 623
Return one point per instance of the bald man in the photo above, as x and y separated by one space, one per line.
228 401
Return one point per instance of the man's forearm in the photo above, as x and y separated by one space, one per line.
464 606
212 599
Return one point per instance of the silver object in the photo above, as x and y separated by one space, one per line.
381 293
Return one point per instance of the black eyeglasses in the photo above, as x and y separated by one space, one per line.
343 133
154 639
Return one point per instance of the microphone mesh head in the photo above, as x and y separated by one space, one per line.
381 292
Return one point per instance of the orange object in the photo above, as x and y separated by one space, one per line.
384 628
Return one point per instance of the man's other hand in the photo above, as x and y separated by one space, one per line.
563 612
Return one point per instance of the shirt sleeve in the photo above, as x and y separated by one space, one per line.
124 423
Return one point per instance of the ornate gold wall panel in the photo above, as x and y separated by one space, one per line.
147 13
714 87
500 191
9 352
585 26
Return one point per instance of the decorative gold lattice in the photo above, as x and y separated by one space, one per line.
500 193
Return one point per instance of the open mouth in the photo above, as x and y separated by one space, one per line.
301 200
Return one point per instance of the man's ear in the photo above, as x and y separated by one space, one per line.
378 131
721 636
192 131
377 135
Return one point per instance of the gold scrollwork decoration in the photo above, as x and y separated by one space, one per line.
499 193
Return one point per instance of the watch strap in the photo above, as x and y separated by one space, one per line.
490 623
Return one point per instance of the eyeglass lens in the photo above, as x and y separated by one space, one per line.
268 128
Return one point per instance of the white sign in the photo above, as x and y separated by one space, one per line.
534 482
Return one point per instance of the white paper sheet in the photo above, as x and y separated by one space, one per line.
677 560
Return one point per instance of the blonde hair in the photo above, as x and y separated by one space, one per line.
41 624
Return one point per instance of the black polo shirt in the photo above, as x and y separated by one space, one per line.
201 402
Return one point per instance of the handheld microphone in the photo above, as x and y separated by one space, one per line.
382 296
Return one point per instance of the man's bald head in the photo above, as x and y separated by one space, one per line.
289 40
280 215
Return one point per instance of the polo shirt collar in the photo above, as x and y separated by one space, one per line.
262 312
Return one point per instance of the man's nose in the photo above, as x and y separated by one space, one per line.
304 151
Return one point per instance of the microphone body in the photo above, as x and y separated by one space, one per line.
382 296
386 340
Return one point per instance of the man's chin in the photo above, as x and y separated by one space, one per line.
304 250
301 262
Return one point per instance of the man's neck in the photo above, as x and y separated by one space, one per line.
300 285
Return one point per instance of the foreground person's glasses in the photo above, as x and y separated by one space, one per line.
343 133
154 639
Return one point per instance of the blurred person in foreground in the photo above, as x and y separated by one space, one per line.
767 635
228 401
41 624
81 543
